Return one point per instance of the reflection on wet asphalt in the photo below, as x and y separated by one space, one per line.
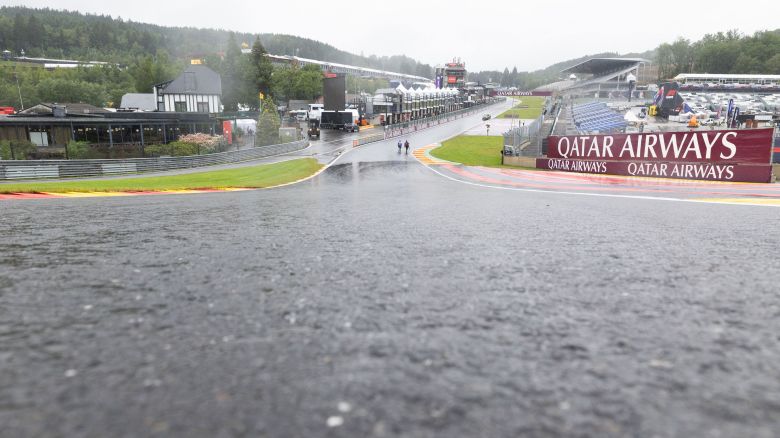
381 300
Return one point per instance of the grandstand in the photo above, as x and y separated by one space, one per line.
596 117
602 77
334 67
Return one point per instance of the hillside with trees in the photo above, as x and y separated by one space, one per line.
529 80
729 52
144 54
147 54
73 35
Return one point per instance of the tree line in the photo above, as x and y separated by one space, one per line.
718 53
67 34
244 77
144 55
721 53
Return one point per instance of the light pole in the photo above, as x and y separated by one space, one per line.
19 89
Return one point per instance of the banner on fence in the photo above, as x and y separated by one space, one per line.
723 155
522 93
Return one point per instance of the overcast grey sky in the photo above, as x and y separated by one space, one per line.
486 35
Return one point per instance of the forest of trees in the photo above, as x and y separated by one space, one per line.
729 52
64 34
148 54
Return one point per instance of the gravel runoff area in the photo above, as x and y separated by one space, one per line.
380 300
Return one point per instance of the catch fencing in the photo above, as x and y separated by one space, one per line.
525 140
29 169
776 147
410 127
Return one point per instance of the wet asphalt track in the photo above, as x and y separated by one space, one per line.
382 300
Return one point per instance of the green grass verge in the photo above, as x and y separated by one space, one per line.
535 106
472 150
264 175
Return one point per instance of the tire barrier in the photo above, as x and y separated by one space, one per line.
35 169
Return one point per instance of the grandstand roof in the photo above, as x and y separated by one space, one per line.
598 66
344 68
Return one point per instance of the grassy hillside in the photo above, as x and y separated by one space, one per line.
69 34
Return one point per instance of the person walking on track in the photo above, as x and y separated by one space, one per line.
406 145
399 146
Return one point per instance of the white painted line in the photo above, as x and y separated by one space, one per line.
601 195
349 149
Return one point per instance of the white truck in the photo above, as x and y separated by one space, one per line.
315 111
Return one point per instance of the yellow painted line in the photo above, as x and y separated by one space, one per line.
139 193
423 155
85 194
758 201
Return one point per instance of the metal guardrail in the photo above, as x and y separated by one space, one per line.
400 129
28 169
369 139
525 140
557 116
419 124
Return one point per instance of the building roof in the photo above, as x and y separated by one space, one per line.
47 109
196 79
344 67
139 101
599 66
386 91
109 119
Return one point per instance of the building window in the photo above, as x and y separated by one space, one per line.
203 107
39 138
180 107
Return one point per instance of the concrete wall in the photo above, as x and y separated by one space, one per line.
519 161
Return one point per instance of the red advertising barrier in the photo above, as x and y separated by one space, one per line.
723 155
703 171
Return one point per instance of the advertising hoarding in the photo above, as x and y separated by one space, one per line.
722 155
523 93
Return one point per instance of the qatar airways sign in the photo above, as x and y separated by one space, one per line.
728 155
523 93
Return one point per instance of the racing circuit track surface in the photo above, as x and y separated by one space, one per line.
380 299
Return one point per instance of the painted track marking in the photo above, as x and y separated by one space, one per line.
567 183
424 156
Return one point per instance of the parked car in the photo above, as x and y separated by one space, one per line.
299 115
